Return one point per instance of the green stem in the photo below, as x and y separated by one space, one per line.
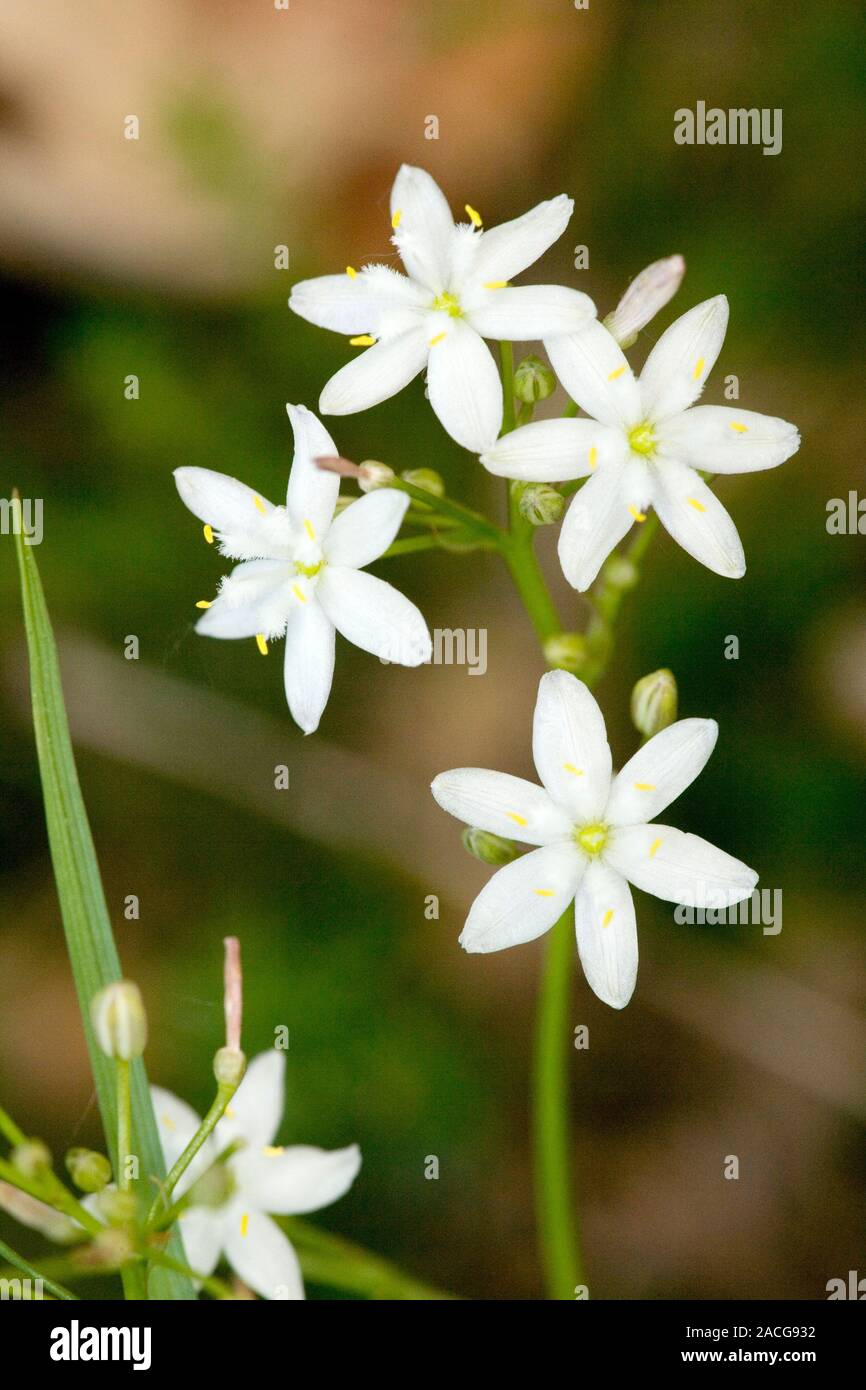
56 1196
225 1091
506 365
20 1263
9 1128
124 1125
336 1263
445 506
522 561
452 539
217 1287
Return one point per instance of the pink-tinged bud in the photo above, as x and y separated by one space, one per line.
646 295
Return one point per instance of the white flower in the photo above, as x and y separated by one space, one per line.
643 444
302 573
262 1177
595 835
455 295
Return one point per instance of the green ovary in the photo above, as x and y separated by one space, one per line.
641 440
448 303
309 571
591 838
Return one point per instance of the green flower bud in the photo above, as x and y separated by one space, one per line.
426 478
31 1158
620 573
533 380
374 474
213 1188
566 651
89 1170
541 504
229 1066
108 1250
119 1021
654 702
490 849
116 1207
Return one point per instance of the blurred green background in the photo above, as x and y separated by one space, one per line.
156 258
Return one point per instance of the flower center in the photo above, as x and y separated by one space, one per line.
308 571
448 303
591 838
641 439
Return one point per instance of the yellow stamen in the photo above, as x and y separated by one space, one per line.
363 340
618 371
299 594
397 218
168 1122
272 1150
644 786
308 527
474 217
230 1112
260 506
741 429
518 820
245 1223
570 767
203 603
699 367
543 892
496 284
437 339
653 847
261 643
208 534
351 272
698 506
638 516
607 918
593 457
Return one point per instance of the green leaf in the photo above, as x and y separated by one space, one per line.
89 938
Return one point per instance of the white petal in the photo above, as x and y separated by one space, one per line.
308 666
374 616
176 1123
528 312
374 299
376 374
501 804
312 491
247 525
506 250
523 899
720 439
679 868
682 359
250 601
696 519
594 371
464 387
660 771
606 934
201 1230
551 451
598 518
257 1106
365 529
424 228
262 1256
570 748
296 1180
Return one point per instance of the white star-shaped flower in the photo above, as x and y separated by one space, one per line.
455 295
261 1177
302 572
595 836
643 444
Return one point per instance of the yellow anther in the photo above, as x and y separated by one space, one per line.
208 534
229 1112
698 506
699 367
607 918
308 527
261 643
618 371
245 1223
203 603
496 284
437 339
299 594
593 457
543 892
474 217
272 1150
638 516
397 218
168 1122
518 820
741 429
351 272
570 767
644 786
260 506
653 847
363 340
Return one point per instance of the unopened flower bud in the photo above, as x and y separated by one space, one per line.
116 1207
31 1158
533 380
373 475
646 295
540 504
489 848
37 1215
620 573
566 651
109 1249
119 1021
229 1066
654 702
425 478
89 1170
